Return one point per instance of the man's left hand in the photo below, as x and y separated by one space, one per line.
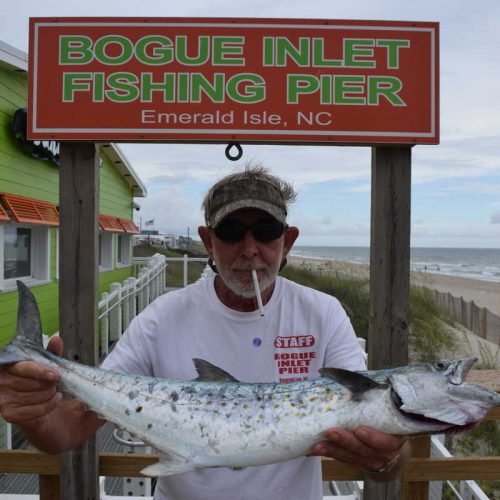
367 449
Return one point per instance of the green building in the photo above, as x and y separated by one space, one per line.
29 215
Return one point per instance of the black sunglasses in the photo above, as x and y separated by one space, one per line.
232 230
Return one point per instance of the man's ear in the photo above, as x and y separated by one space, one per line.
206 238
291 234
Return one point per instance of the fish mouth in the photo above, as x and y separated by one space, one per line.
443 426
460 370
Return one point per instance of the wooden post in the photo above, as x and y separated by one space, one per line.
78 248
418 490
49 487
389 274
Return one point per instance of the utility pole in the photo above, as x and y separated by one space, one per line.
187 243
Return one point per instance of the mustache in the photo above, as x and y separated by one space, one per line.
249 266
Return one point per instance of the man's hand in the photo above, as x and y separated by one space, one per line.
30 399
367 449
28 390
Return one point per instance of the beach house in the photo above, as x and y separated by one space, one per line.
29 214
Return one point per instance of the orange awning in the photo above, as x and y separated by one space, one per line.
109 223
31 211
129 226
3 214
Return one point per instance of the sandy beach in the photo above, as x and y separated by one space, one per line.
483 293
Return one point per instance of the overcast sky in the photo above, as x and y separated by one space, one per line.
455 185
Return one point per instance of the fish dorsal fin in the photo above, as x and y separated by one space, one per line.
357 383
207 372
29 324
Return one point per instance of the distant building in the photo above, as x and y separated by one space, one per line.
29 214
157 238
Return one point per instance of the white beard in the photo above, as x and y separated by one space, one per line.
238 278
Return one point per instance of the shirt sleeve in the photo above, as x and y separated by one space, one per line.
343 349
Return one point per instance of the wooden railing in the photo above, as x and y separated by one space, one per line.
418 471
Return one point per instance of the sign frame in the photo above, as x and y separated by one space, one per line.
280 134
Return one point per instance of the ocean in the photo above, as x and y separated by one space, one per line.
476 263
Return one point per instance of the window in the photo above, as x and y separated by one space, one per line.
24 254
17 252
123 250
105 251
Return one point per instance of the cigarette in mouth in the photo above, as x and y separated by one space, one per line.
257 291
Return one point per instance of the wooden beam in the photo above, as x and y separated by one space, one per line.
130 464
389 257
78 263
420 447
49 487
389 275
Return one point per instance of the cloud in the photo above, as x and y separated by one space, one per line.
172 211
495 218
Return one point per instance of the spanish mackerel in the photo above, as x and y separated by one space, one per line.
217 421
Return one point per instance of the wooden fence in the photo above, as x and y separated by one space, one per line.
479 320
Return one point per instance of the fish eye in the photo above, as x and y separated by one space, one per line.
440 365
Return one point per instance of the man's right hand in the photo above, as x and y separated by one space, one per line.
28 390
30 399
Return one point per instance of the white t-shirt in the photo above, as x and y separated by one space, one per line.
302 331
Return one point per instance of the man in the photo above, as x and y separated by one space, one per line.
218 320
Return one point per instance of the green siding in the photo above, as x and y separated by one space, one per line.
20 173
24 175
115 193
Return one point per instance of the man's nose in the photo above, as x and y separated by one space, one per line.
249 246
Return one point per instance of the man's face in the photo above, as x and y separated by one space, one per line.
235 260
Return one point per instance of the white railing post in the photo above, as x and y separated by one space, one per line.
185 269
163 276
133 298
125 305
141 290
115 314
104 319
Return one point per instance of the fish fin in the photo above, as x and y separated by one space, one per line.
12 354
168 466
356 382
207 372
28 329
29 324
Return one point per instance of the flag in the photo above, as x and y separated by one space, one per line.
149 222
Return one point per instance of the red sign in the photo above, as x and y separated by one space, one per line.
245 80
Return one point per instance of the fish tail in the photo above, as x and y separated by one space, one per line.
28 328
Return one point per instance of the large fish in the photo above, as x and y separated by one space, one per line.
217 421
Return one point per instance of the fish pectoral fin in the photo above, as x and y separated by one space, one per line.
207 372
168 465
356 382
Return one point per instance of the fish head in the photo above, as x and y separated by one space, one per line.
435 394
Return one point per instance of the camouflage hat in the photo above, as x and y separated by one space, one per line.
237 194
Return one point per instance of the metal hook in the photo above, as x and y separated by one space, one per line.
238 147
